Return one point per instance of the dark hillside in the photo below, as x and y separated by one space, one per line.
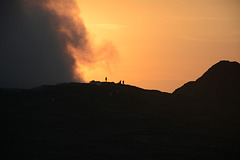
110 121
221 81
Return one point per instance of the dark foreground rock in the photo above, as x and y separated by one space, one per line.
112 121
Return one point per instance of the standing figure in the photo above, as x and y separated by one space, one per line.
106 79
123 82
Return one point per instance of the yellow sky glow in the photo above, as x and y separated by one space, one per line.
162 43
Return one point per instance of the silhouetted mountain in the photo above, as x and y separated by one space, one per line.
108 121
221 81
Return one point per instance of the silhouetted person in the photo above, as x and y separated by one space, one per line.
120 82
106 79
123 82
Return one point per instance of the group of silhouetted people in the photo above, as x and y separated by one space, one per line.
120 82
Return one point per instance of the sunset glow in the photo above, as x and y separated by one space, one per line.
149 43
120 79
163 44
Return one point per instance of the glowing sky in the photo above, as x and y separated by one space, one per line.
162 43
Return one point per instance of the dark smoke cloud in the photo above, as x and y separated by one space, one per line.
32 52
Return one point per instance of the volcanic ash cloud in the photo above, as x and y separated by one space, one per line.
46 42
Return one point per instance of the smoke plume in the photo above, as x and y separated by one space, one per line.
46 42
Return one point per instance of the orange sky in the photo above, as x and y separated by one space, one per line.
162 43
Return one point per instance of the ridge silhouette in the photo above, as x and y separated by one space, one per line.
106 120
221 81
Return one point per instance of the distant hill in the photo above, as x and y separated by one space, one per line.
222 80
